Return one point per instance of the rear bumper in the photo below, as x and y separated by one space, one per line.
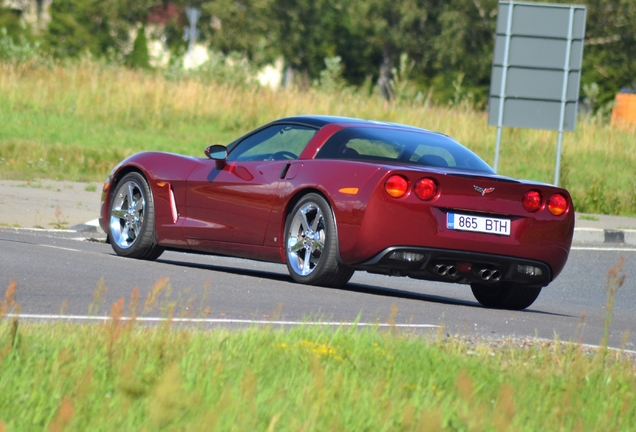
457 266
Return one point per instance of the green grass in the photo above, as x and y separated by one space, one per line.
589 218
121 375
76 122
118 376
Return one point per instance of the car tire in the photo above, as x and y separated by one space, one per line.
311 244
132 219
505 296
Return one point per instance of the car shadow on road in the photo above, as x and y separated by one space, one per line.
350 287
429 298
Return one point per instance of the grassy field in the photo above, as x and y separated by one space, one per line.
120 376
76 122
123 375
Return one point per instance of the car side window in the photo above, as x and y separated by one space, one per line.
277 142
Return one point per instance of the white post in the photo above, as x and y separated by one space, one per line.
564 93
504 77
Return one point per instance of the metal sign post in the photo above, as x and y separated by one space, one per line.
502 90
536 69
191 32
566 73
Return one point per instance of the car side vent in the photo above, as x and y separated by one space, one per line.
283 173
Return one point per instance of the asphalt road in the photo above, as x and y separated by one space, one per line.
59 274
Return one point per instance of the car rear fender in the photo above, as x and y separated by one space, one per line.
347 189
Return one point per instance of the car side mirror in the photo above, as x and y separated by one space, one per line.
217 153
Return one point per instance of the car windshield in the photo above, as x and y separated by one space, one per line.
399 145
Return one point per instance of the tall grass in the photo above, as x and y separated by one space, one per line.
76 121
120 375
124 377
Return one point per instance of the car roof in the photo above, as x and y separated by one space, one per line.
322 120
319 121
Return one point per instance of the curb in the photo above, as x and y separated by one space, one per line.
599 235
88 227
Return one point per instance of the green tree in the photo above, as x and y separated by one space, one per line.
464 48
397 27
139 56
609 55
244 26
307 31
16 40
101 27
10 21
78 26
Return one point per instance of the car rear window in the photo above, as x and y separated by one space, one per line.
404 146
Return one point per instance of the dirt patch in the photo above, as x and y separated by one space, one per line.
48 204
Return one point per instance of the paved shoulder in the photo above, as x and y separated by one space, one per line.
48 204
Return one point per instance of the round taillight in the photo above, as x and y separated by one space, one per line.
557 204
396 186
426 189
532 201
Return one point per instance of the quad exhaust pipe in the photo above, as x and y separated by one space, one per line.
446 270
450 270
490 275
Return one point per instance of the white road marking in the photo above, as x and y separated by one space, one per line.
212 321
260 322
59 247
609 348
604 249
50 230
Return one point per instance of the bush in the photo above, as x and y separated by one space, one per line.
19 51
139 56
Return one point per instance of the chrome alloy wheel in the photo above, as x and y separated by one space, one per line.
127 214
306 239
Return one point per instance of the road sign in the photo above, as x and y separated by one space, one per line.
191 32
536 68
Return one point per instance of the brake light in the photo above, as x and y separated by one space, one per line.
557 204
426 189
396 186
532 201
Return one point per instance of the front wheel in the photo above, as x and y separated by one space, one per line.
505 295
132 219
311 244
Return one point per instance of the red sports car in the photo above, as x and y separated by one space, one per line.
330 195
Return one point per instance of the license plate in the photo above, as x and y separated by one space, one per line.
481 224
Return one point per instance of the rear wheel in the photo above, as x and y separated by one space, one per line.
311 244
505 296
132 219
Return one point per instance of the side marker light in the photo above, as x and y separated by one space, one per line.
348 191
